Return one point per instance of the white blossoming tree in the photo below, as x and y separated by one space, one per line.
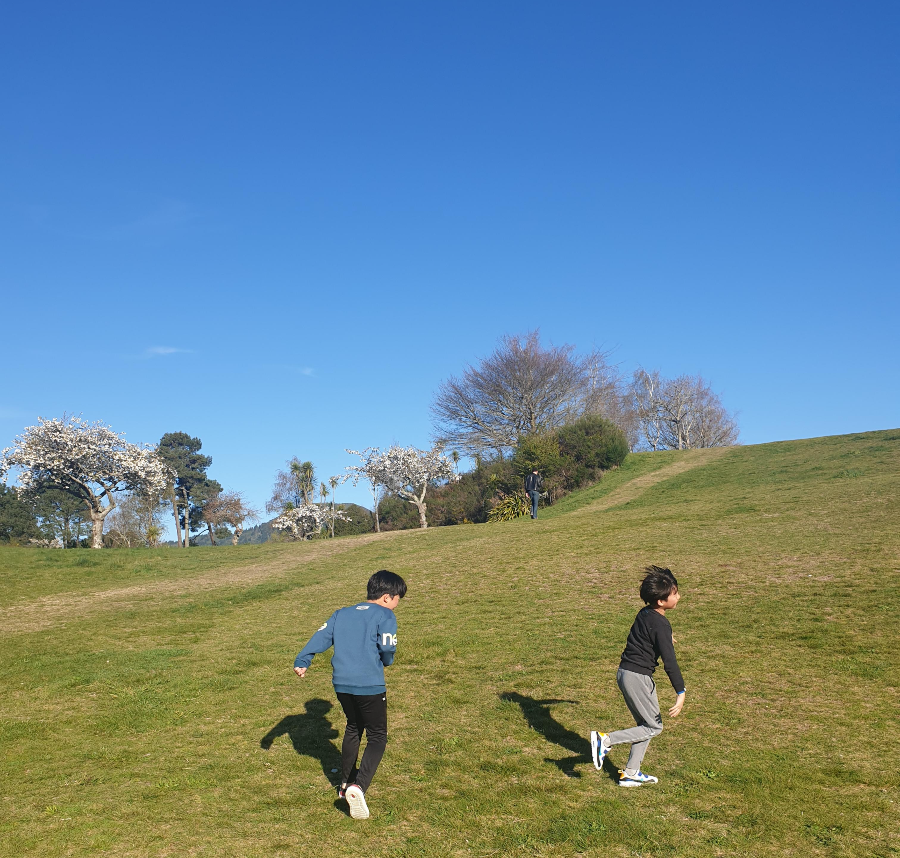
86 460
307 520
371 470
409 471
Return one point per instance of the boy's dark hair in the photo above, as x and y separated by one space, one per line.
658 585
385 583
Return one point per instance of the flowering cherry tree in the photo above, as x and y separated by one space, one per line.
86 460
306 520
371 470
408 471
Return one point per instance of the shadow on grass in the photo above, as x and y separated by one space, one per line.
310 734
537 714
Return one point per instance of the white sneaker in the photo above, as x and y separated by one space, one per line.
599 749
356 798
636 780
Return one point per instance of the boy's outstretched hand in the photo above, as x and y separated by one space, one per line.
301 672
676 709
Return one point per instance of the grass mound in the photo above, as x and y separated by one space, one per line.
149 707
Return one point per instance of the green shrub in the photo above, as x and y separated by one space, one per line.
541 452
588 446
568 459
17 522
395 513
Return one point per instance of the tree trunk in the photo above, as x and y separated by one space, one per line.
423 522
212 536
177 519
238 530
98 514
97 528
187 519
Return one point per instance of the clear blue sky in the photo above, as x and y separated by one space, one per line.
279 226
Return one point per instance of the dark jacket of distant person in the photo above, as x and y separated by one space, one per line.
534 483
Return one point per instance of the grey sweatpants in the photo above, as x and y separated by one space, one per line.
639 692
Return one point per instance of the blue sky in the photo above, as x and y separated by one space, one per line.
278 227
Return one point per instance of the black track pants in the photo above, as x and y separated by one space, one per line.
365 713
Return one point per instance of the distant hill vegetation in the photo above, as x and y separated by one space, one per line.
361 521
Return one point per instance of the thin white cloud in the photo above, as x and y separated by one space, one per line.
158 352
163 350
293 368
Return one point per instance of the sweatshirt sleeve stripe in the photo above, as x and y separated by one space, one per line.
321 641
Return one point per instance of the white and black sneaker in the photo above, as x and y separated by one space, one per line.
356 798
599 748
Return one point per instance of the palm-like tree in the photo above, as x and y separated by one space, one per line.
309 481
304 474
297 476
333 482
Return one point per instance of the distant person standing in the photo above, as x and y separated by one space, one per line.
534 483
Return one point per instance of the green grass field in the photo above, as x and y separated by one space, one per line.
149 707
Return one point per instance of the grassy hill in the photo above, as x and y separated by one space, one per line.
149 708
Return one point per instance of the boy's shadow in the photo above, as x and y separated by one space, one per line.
537 714
311 735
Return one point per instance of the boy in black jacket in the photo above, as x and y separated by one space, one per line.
649 640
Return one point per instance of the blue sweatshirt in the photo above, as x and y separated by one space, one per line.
364 637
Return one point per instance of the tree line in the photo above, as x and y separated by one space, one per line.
81 484
524 406
529 406
524 389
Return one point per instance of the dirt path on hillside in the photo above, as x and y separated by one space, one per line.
632 489
53 610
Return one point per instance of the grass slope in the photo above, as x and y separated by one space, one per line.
149 708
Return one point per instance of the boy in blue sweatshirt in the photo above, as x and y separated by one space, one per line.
364 637
649 640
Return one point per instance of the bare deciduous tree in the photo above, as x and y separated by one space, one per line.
135 521
521 389
680 413
228 508
645 394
